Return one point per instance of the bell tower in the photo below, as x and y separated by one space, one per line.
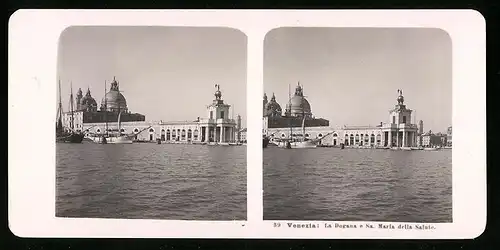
79 96
264 102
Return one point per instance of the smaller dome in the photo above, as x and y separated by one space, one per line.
272 108
88 102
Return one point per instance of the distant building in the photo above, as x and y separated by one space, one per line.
243 135
430 139
449 137
217 126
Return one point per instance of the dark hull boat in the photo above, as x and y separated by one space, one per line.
70 138
265 142
68 135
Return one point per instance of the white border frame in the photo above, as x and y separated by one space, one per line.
33 46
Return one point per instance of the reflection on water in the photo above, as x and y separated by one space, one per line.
357 184
150 181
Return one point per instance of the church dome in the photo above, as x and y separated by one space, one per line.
298 104
114 100
88 102
272 108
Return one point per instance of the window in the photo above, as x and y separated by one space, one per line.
404 119
211 115
222 114
151 130
393 119
189 134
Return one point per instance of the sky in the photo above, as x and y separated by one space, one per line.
165 73
351 75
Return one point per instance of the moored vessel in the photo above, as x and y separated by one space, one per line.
67 134
265 141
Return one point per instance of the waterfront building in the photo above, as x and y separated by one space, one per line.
243 135
448 137
217 126
399 131
429 139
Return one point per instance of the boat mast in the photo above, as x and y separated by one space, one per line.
119 117
303 115
59 112
119 123
105 108
290 113
71 105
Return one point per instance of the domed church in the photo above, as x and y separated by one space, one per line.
114 101
296 110
299 106
85 103
112 104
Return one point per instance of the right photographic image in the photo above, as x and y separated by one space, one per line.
357 124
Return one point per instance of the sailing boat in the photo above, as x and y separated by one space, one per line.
68 135
298 142
116 136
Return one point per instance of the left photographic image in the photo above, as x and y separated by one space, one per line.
151 123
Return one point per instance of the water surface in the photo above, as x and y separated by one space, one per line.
151 181
357 184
